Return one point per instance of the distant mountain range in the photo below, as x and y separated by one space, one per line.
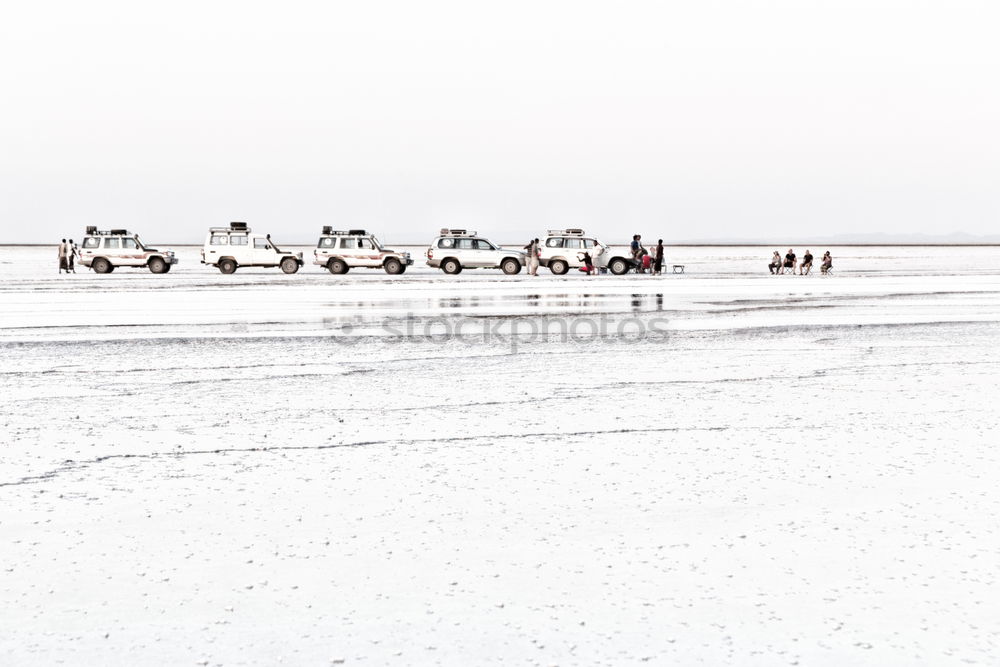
957 238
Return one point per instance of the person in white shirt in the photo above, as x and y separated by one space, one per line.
595 256
532 251
63 260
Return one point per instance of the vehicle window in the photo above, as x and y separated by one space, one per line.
553 243
573 243
588 243
261 244
446 243
92 242
348 244
365 244
238 240
111 243
328 242
464 244
220 239
129 243
483 244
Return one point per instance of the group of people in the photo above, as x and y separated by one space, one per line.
647 260
68 253
779 266
643 260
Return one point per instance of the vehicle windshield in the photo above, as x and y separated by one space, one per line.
138 242
378 244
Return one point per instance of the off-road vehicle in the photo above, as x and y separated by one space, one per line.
341 251
563 249
104 251
457 249
236 245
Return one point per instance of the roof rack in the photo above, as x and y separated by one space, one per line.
238 227
457 232
93 231
566 232
330 231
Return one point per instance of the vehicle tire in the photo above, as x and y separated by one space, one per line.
558 267
337 266
451 266
290 265
167 269
510 266
618 266
102 265
393 266
157 265
227 265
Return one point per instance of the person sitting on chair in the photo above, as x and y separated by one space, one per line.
827 264
775 265
807 264
790 262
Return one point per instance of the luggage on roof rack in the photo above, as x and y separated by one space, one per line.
566 232
457 232
238 226
330 231
91 230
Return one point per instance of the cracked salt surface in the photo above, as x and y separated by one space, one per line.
749 487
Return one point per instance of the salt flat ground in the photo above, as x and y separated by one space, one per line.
715 468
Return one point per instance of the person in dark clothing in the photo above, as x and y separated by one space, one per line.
790 262
634 249
71 253
807 264
827 262
658 258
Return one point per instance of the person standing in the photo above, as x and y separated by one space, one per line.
63 262
532 251
658 258
71 254
595 255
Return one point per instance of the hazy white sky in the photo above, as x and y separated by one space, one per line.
689 119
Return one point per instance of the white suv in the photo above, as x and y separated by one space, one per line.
237 245
563 249
341 251
457 249
105 251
